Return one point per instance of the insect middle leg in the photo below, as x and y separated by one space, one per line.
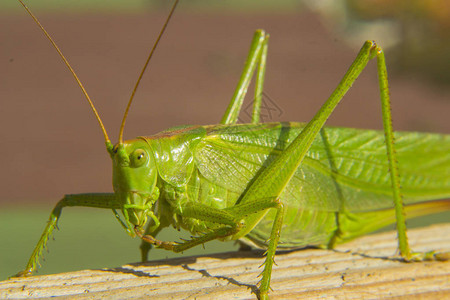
233 219
145 246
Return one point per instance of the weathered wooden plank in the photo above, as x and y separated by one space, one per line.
360 269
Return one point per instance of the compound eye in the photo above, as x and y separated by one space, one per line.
138 158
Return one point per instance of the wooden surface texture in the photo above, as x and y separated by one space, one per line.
362 269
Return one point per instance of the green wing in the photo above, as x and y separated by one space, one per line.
343 168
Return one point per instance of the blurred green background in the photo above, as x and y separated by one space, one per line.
51 144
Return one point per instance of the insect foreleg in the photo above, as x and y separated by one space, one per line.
256 60
99 200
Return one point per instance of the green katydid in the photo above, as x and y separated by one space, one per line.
271 185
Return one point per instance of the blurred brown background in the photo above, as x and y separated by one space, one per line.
51 144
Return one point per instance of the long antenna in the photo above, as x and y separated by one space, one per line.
71 71
143 70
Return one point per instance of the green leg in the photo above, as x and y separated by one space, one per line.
145 246
152 229
405 250
270 253
276 176
102 200
232 218
257 55
259 83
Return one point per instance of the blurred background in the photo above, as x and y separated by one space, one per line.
51 144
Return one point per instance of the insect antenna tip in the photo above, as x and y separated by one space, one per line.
144 68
